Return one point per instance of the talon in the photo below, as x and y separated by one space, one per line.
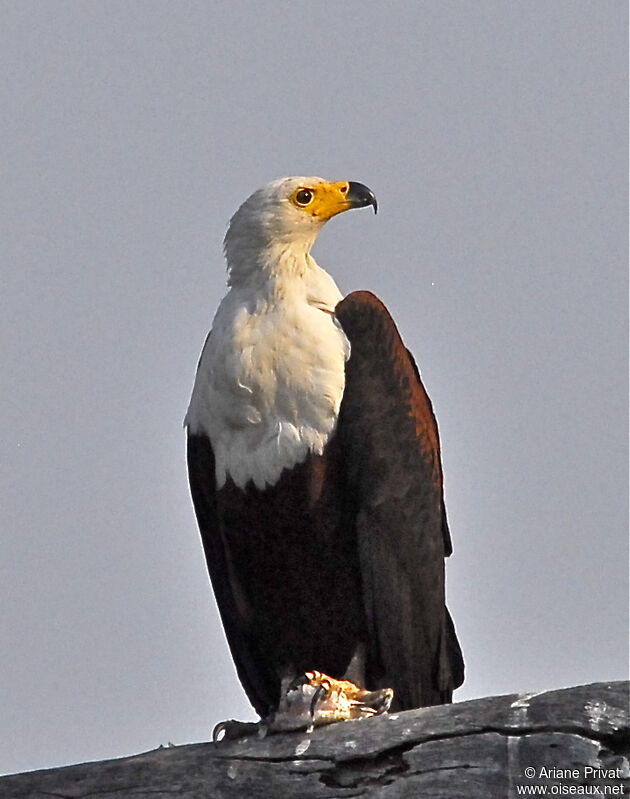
218 733
230 730
318 692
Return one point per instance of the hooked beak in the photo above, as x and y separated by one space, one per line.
359 196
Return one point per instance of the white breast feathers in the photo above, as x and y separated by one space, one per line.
271 377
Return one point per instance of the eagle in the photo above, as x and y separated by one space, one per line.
315 472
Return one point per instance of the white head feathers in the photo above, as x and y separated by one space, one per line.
267 224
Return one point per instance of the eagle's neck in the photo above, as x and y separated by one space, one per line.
257 263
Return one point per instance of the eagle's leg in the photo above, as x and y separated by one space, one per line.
314 699
355 671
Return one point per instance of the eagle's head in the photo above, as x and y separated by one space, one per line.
287 214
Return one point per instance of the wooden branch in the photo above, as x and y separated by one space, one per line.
573 739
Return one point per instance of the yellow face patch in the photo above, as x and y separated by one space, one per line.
324 200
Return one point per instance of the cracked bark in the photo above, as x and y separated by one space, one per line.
476 749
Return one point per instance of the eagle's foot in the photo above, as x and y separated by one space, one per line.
315 699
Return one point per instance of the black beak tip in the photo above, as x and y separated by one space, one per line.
360 196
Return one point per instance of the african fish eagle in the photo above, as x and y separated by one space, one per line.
315 471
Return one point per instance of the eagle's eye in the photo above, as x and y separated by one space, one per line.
304 197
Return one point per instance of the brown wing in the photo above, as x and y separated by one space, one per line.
250 665
392 461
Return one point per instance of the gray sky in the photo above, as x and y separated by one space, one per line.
493 134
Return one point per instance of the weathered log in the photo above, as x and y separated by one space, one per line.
574 741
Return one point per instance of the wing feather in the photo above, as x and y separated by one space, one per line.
259 685
392 460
